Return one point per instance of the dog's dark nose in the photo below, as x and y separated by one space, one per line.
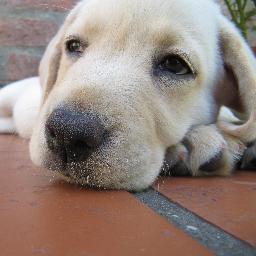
73 135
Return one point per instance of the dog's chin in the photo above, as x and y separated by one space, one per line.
118 164
81 174
99 177
101 173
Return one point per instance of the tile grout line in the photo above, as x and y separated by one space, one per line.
212 237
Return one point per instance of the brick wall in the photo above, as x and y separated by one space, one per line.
26 26
25 29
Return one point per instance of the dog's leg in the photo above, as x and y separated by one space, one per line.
205 151
19 105
6 125
248 160
8 97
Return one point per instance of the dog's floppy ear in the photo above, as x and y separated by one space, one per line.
49 65
240 66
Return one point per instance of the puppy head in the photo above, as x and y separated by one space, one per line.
122 82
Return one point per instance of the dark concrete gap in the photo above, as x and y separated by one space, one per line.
213 238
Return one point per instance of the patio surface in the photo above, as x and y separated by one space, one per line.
41 215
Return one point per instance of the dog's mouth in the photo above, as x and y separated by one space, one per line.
96 171
85 148
112 165
97 165
88 168
81 163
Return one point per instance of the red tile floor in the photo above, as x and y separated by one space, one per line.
229 203
40 215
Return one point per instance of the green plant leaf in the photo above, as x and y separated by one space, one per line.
240 14
250 14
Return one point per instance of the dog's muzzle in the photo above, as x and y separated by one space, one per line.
73 135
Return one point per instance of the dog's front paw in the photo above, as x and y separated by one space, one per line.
249 158
205 152
176 161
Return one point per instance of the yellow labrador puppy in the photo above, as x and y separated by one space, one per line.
130 88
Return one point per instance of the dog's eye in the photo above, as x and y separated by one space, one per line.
74 46
175 65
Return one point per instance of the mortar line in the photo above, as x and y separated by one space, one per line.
210 236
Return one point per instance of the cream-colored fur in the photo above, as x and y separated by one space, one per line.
19 106
153 118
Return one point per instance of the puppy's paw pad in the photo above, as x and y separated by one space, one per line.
175 161
213 164
211 152
249 157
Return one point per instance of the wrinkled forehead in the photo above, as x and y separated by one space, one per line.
159 20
